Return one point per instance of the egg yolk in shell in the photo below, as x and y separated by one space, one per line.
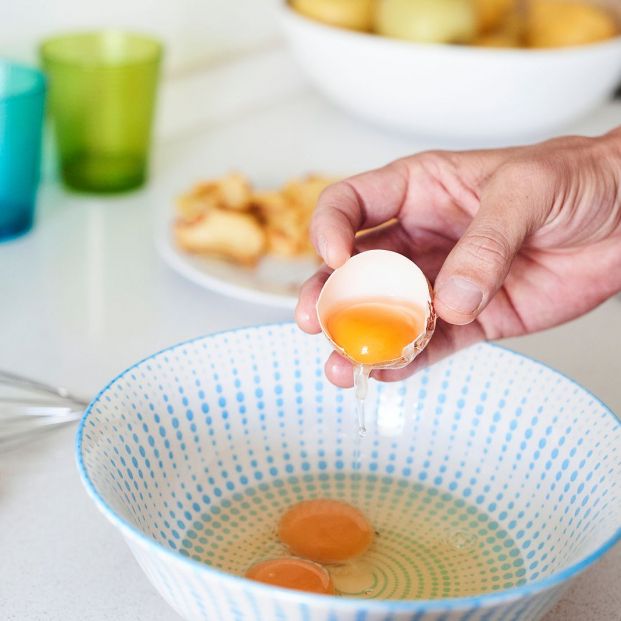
374 332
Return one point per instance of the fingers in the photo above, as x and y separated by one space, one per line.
446 340
362 201
513 204
339 371
305 311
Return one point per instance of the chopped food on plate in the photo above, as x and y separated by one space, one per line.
227 218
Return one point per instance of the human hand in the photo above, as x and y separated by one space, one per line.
514 240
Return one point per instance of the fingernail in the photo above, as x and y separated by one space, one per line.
460 295
323 249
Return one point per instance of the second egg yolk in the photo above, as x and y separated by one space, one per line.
374 332
325 531
293 573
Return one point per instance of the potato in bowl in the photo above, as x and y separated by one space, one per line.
534 23
475 92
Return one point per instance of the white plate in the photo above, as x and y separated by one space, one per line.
340 148
274 282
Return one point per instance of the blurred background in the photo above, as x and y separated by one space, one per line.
195 32
286 102
286 97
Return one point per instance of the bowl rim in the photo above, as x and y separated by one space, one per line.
287 12
483 600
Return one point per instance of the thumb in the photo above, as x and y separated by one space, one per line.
511 207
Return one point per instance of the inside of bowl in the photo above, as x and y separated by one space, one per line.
199 446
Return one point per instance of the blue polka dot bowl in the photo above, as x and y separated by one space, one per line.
195 452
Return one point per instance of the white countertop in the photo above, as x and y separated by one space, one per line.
85 295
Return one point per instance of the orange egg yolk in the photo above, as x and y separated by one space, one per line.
325 531
374 332
293 573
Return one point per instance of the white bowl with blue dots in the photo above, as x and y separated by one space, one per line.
174 450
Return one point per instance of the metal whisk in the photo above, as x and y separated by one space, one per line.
28 406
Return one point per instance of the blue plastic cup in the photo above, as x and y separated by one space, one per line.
22 100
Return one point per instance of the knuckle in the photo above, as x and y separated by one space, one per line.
520 173
532 175
329 203
431 159
339 201
427 165
570 144
488 247
527 188
328 197
431 155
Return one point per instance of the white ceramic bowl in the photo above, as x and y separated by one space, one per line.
173 444
453 91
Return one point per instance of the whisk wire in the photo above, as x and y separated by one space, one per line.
28 406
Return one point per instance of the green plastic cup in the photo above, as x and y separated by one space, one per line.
102 92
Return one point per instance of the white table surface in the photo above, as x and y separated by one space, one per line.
85 295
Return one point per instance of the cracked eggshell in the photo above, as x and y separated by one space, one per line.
379 274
